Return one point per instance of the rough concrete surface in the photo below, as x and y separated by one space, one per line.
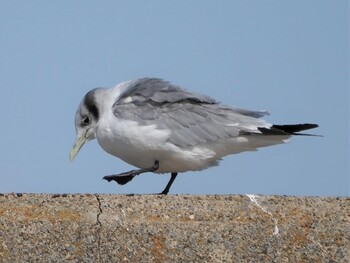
174 228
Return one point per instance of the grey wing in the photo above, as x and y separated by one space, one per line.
191 119
159 91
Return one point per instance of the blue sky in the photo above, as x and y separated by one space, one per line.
288 57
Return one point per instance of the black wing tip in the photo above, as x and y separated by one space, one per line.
289 129
294 129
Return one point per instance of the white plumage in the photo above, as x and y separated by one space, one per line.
159 127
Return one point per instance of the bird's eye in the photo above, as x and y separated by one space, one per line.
86 121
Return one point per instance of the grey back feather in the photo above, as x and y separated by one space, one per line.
192 118
160 91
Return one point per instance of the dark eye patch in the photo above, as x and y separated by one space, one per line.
86 121
90 104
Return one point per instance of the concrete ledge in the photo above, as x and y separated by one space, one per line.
149 228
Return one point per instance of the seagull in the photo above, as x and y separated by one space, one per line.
161 128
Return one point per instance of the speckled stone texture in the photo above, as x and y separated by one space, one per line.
174 228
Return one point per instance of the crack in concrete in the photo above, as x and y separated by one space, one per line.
99 226
256 203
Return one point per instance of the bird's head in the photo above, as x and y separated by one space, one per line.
85 122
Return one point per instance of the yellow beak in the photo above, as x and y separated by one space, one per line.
77 146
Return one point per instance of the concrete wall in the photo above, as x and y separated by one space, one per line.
150 228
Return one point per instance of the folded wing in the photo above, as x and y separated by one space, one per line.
192 118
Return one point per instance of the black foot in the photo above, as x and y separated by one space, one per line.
126 177
119 179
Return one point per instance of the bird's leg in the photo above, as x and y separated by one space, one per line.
167 188
126 177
